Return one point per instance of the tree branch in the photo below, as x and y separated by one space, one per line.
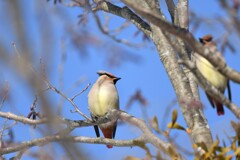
147 137
125 13
22 119
171 9
73 139
50 86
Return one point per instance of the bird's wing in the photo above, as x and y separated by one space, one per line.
229 91
96 130
210 100
95 127
114 131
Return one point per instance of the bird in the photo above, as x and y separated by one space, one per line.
102 97
211 74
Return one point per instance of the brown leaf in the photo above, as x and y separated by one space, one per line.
131 158
154 123
174 116
175 126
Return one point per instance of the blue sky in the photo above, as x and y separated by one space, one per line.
148 74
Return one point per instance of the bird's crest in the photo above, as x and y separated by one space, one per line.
205 39
100 73
110 75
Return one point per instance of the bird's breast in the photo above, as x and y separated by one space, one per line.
104 99
211 74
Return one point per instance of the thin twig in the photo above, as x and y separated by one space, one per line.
107 33
81 92
68 99
5 95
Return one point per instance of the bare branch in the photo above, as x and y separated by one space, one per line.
9 115
113 37
125 13
233 13
182 11
73 139
6 92
68 99
81 92
171 8
19 154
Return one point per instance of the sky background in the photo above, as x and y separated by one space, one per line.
49 31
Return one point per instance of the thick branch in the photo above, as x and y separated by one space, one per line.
185 52
182 10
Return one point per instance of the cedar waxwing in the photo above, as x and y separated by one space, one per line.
102 97
212 75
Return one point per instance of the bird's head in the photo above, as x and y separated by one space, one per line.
206 39
108 76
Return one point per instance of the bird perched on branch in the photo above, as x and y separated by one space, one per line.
211 74
102 97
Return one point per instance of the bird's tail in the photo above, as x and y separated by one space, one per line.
108 133
220 109
214 102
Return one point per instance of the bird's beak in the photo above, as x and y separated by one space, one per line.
116 79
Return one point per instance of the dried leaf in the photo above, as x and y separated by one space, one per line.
201 145
148 153
131 158
224 150
172 152
224 143
237 152
154 123
176 126
159 156
228 157
188 130
166 133
174 116
236 127
233 146
212 150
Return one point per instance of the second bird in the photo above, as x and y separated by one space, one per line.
211 74
102 97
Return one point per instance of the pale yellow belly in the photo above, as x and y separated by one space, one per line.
211 74
103 100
